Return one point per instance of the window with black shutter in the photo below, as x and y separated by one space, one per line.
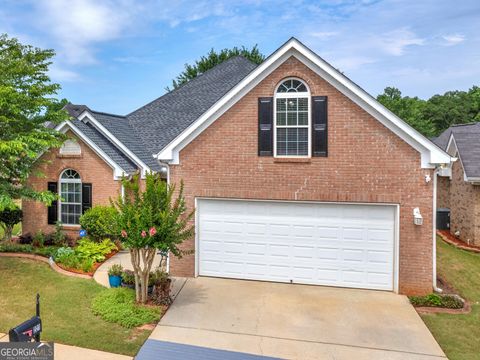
86 197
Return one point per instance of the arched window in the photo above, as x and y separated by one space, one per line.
70 202
70 147
292 119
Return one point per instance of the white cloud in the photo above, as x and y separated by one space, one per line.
59 74
395 42
453 39
352 62
323 35
77 25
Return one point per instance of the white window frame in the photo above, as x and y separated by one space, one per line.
60 202
292 95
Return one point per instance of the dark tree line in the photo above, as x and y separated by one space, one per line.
431 117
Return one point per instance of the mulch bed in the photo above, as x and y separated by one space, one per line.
452 240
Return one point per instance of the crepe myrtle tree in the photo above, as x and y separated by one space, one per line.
149 221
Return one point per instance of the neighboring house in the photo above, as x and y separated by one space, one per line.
296 174
459 183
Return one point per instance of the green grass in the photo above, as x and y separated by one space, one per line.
458 335
65 308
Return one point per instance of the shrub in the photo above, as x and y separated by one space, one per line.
100 222
59 238
437 300
25 239
28 249
9 217
118 306
38 239
93 250
128 277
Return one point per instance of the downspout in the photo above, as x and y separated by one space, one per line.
434 231
167 167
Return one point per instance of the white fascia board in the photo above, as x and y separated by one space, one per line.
86 114
431 154
118 172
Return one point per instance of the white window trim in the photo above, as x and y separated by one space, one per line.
292 95
60 202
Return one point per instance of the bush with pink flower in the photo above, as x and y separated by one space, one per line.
149 221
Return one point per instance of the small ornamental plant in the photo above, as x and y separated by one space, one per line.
115 270
150 221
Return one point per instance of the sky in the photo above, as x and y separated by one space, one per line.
115 56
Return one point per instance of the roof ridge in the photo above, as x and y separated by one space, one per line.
466 124
109 114
190 81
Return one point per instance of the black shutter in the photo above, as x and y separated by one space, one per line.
319 126
265 126
53 208
86 197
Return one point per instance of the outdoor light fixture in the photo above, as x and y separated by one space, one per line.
417 217
428 178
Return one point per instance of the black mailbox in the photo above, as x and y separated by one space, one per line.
26 331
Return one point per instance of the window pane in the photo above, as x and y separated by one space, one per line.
292 141
292 105
281 104
303 104
292 118
303 118
281 118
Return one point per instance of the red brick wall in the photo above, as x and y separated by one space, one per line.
464 206
92 169
443 192
366 163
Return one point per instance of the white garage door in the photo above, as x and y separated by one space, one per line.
310 243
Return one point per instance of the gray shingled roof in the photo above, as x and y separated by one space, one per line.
162 120
467 138
103 143
121 128
153 126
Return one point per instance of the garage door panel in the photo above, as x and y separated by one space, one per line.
329 244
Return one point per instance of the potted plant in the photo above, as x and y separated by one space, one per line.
115 275
128 279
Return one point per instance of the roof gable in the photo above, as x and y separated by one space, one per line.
465 140
430 153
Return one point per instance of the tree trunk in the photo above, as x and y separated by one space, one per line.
142 256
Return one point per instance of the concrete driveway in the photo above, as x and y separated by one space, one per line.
296 321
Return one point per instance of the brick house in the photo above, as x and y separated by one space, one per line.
296 174
459 183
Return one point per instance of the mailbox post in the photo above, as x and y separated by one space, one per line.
29 329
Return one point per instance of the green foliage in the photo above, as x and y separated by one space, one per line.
93 250
100 222
160 207
212 59
437 300
128 277
58 236
9 217
27 102
118 306
115 270
39 239
46 251
431 117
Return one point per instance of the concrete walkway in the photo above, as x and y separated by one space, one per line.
67 352
296 321
123 258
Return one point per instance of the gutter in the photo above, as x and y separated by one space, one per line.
434 231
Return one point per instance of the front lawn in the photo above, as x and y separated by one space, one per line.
458 335
65 308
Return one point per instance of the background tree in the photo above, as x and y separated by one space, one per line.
431 117
212 59
150 221
27 103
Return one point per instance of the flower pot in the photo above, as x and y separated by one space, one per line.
114 280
